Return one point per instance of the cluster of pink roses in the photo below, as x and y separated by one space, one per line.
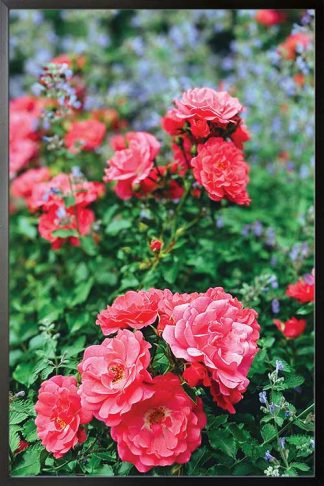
63 200
304 292
213 340
208 134
23 132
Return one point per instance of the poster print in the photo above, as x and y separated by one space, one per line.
161 235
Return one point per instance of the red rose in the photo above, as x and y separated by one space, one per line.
241 135
270 17
156 245
199 128
288 48
303 290
291 328
171 123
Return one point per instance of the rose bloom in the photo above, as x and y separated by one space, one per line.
288 48
75 218
23 134
22 187
162 430
131 165
292 328
84 135
76 62
215 330
114 376
241 135
199 128
156 245
167 302
133 309
51 193
270 17
220 168
59 415
207 104
303 290
171 123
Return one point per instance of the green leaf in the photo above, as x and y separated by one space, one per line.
29 431
268 432
30 464
82 292
222 440
65 233
89 246
300 465
77 321
23 373
69 201
14 438
292 382
17 417
118 225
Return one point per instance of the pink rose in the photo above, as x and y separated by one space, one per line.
220 168
75 219
59 415
214 329
209 105
22 187
84 135
131 165
45 195
114 376
162 430
168 301
133 309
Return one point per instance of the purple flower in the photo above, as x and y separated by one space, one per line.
258 228
279 365
263 397
282 441
219 222
268 457
246 230
275 306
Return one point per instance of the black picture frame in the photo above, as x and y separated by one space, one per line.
5 7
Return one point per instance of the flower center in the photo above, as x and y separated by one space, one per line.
60 423
155 415
118 372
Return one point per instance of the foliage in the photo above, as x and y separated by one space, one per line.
253 252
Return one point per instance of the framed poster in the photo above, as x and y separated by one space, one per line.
160 307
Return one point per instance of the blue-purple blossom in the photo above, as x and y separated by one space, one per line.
263 397
268 457
275 306
282 441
